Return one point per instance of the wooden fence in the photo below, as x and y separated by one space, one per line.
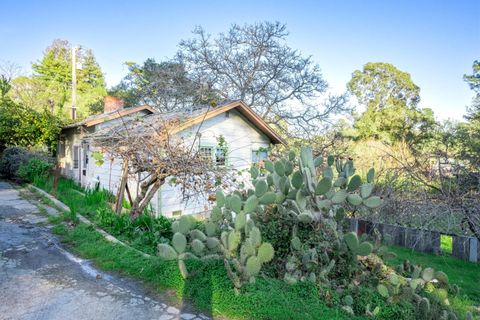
465 248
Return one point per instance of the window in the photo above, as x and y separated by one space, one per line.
75 156
259 155
177 213
215 154
220 156
206 153
61 149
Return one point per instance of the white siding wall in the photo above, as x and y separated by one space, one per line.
241 137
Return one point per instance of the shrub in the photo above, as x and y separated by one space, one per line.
23 163
34 167
12 159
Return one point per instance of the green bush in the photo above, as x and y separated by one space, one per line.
24 164
34 167
144 232
12 159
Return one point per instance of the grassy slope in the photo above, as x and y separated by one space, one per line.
209 288
465 274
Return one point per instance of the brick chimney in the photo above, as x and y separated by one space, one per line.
112 104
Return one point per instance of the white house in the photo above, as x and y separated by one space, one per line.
246 134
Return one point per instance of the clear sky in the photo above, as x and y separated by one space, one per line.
435 41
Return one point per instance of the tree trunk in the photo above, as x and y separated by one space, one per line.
143 203
129 195
144 186
121 188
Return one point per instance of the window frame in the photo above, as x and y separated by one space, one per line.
75 156
214 148
256 152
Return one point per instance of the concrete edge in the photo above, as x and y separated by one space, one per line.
82 219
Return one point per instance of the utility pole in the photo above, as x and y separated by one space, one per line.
74 82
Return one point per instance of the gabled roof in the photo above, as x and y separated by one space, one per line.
100 118
191 118
241 107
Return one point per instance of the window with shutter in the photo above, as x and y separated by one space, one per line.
76 156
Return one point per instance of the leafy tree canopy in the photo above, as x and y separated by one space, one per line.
473 81
390 98
23 126
51 83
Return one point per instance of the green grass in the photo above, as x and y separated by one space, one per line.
463 273
209 288
446 244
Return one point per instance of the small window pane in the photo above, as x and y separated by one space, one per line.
259 155
220 156
206 153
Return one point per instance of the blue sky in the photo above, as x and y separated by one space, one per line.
435 41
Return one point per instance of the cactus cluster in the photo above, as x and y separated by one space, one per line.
305 264
228 234
310 196
421 287
297 190
188 243
315 192
356 247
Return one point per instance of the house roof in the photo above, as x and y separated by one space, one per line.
193 117
99 118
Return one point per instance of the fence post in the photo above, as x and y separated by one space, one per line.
460 247
473 256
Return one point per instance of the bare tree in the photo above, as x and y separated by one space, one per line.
430 190
151 147
163 85
253 63
9 70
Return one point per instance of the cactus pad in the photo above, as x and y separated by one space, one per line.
323 186
260 188
366 190
354 199
383 290
354 183
166 252
372 202
179 242
305 217
212 243
297 180
364 249
265 252
371 175
268 198
251 204
253 266
240 221
236 203
220 197
198 246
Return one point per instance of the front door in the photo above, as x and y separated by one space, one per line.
84 163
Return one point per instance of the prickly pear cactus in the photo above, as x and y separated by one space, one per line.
228 234
314 193
187 243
